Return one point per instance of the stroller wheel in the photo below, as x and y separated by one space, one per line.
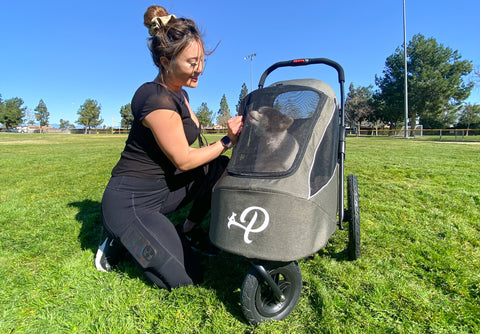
353 209
259 302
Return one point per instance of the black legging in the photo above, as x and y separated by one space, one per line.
133 212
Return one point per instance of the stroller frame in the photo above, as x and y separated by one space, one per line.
341 81
272 286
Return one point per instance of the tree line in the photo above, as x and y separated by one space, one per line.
13 113
439 82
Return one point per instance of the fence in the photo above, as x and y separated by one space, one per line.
459 135
107 131
126 131
471 135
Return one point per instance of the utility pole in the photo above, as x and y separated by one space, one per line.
251 68
406 71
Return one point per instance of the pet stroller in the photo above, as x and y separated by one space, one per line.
282 195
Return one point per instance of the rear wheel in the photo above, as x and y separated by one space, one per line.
353 209
260 304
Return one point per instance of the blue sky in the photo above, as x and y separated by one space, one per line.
66 52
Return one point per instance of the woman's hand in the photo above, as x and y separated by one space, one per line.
235 126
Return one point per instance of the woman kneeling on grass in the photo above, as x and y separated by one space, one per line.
158 172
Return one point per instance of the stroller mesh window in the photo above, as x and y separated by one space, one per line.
326 157
277 127
298 104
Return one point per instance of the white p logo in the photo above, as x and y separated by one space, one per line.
250 228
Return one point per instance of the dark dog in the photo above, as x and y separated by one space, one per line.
276 148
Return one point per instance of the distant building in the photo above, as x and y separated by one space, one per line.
214 129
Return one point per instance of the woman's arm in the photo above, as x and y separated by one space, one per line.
166 125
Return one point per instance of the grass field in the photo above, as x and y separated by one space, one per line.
418 273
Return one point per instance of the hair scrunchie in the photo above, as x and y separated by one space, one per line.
158 22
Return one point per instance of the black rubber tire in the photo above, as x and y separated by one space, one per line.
257 299
353 209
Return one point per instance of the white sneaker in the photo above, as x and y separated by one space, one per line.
108 254
101 262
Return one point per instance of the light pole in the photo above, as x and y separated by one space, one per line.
251 68
406 72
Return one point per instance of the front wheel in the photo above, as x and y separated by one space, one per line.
258 300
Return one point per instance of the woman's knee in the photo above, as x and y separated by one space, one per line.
156 246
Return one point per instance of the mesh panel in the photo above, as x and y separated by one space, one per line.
297 104
278 123
326 157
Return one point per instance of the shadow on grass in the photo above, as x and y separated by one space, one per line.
89 216
337 246
90 233
224 274
333 253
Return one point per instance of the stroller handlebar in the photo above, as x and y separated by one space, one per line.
303 62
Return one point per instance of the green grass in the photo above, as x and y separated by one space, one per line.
418 273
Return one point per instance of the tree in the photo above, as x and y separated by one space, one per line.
42 114
436 85
127 116
469 116
223 112
66 124
89 113
12 112
243 93
29 117
204 115
390 97
359 104
2 106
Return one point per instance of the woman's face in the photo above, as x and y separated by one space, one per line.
183 71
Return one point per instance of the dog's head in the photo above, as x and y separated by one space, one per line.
268 120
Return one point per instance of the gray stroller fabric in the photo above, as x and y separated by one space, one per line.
278 199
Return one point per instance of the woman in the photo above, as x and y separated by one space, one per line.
158 171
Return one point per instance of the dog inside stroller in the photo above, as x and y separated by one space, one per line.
282 196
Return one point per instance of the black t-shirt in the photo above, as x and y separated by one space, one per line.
142 157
